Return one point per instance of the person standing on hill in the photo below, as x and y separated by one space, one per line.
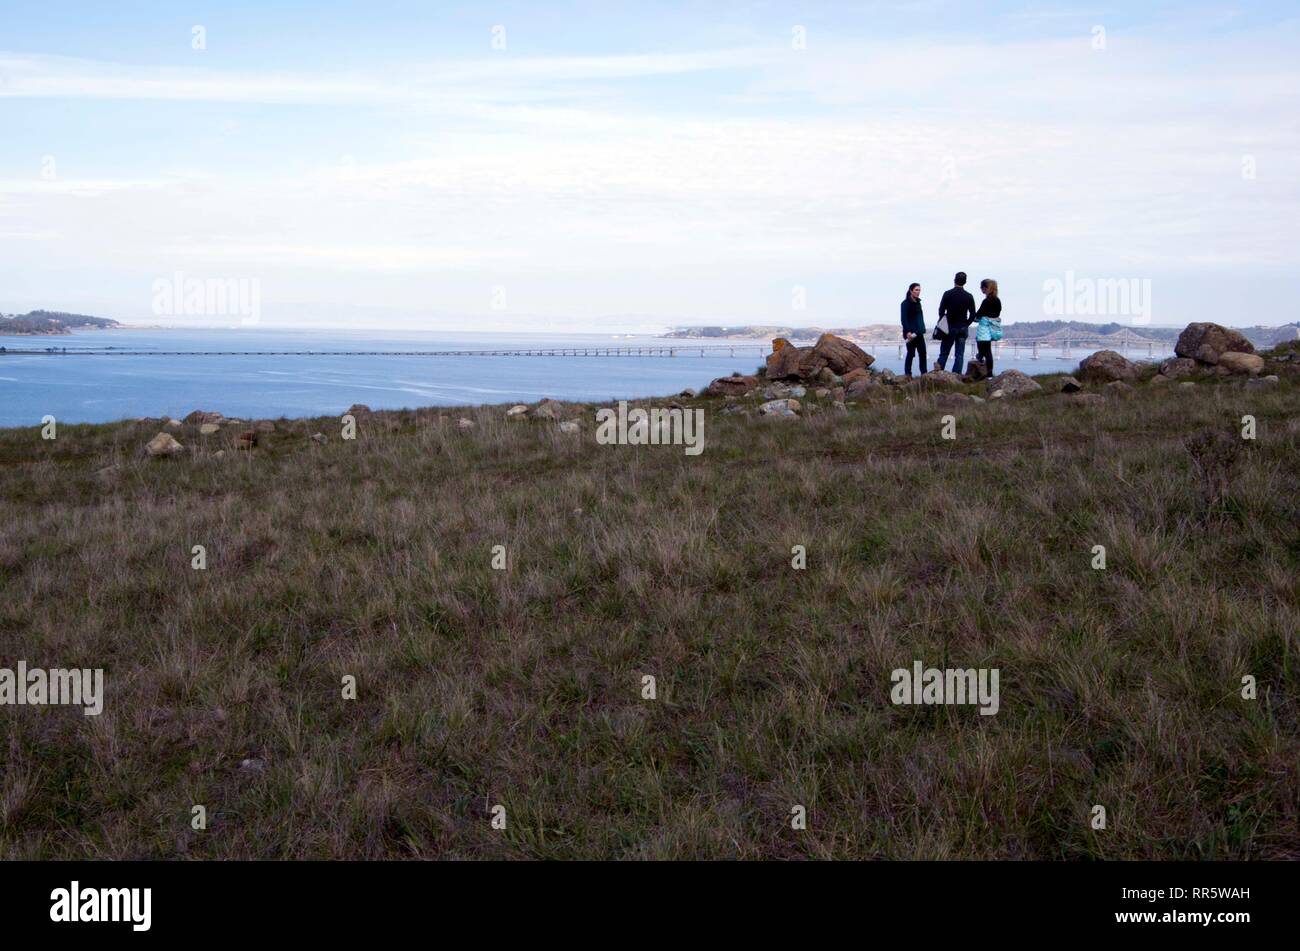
957 309
990 323
913 328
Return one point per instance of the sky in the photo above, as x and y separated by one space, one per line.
588 166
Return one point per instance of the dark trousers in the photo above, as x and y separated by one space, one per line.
985 348
914 346
959 339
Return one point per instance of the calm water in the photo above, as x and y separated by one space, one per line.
85 388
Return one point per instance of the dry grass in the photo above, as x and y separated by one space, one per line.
523 687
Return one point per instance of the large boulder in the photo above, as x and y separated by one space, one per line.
840 355
734 385
1175 367
1107 366
163 445
941 378
1207 343
1012 383
1070 385
1237 362
786 361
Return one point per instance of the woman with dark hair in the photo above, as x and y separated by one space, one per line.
990 323
913 329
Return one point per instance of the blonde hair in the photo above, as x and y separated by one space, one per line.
991 284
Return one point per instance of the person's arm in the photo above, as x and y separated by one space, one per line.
943 305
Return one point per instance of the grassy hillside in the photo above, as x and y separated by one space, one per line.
523 687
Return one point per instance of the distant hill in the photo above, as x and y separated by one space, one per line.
1261 337
50 322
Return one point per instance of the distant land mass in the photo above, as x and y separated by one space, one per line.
45 323
1262 337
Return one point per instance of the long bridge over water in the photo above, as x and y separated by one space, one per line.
656 351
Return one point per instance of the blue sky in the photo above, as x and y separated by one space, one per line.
634 165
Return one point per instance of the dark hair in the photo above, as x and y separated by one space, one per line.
960 279
910 287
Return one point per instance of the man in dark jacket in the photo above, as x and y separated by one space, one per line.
959 307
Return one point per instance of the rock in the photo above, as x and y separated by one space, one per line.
1207 343
1070 385
887 376
975 399
821 392
857 389
784 362
951 400
798 392
826 376
219 454
358 409
246 440
1238 362
1087 399
777 391
733 410
1012 383
570 426
842 356
202 416
163 445
518 411
853 375
938 378
1106 366
207 429
840 407
464 423
174 424
547 409
734 385
1261 382
837 394
319 438
688 393
1175 367
1119 388
780 408
1159 378
264 426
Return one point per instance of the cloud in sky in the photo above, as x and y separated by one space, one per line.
682 185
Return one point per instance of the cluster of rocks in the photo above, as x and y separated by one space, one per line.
548 409
206 423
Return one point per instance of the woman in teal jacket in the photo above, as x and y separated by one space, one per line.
990 323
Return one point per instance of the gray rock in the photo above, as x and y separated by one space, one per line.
784 407
1012 383
163 445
